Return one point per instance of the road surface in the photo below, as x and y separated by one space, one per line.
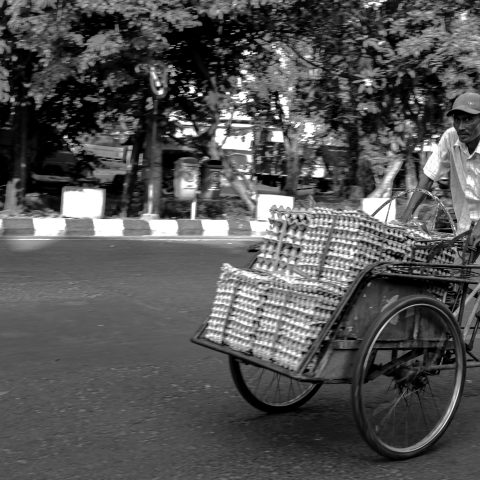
99 379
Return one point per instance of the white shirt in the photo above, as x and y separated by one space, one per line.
452 156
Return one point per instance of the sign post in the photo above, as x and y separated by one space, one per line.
193 209
185 182
158 85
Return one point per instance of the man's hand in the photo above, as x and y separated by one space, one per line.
412 223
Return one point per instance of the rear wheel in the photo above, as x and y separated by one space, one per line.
270 391
409 378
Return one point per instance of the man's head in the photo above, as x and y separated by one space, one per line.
466 102
466 118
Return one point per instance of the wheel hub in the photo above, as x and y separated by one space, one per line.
410 378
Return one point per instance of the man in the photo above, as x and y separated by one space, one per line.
458 153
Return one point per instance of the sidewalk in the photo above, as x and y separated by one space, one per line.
128 227
40 226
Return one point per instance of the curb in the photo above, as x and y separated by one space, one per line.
129 227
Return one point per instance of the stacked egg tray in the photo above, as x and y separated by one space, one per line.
306 263
335 245
269 316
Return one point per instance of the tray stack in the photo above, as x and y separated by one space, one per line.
335 245
271 317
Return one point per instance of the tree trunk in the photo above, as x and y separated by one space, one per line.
131 173
353 150
238 182
154 178
410 173
365 177
292 164
15 190
384 190
259 146
12 196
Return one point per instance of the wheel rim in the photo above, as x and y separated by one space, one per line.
409 394
272 388
438 203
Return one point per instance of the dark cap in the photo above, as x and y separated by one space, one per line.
466 102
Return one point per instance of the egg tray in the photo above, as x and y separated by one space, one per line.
270 317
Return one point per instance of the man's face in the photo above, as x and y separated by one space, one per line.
467 126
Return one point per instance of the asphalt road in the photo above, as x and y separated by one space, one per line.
99 379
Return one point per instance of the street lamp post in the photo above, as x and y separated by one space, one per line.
158 85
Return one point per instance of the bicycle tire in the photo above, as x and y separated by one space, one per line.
281 394
428 376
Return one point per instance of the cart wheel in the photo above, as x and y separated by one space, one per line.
270 391
409 378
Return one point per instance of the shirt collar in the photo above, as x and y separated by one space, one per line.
463 146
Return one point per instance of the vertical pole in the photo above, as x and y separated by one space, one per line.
131 173
154 179
23 160
154 203
193 209
153 155
158 172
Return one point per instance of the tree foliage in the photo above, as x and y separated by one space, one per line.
379 74
390 71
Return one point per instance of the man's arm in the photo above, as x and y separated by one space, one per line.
425 183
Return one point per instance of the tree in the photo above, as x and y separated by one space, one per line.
382 72
276 88
89 59
73 63
207 62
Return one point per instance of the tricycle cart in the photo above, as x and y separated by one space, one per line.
400 332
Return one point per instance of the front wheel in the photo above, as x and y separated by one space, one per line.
409 378
270 391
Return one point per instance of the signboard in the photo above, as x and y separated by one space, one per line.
186 175
159 81
123 154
